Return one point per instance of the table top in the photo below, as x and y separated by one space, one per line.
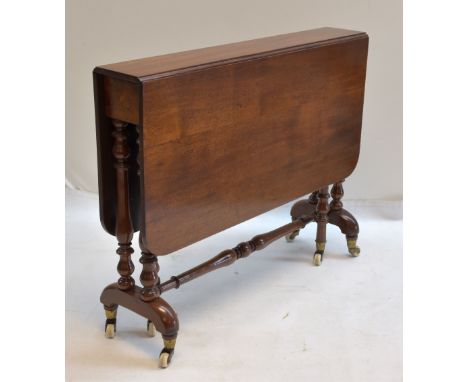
170 64
229 132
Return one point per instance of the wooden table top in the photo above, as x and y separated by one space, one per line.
230 132
170 64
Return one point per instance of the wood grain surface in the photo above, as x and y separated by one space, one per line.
175 63
230 132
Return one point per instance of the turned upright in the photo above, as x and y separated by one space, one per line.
192 143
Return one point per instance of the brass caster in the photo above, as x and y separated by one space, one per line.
290 238
353 249
111 322
317 259
166 354
150 329
318 255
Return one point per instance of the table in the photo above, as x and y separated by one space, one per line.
192 143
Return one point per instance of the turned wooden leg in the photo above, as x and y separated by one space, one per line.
343 219
322 220
149 274
145 301
166 320
303 209
150 280
123 225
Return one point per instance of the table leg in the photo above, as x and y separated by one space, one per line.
343 219
322 220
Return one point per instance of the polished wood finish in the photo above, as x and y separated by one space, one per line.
224 110
340 217
157 311
253 143
313 199
229 256
121 100
192 143
123 226
336 194
322 209
224 101
149 274
337 215
106 170
205 58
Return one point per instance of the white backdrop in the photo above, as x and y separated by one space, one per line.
106 31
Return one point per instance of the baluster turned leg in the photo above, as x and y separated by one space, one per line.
322 220
343 219
123 225
150 280
336 194
149 273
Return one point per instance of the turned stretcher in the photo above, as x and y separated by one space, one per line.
192 143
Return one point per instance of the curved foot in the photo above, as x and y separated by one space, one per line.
111 322
353 249
348 225
346 222
158 311
160 315
166 354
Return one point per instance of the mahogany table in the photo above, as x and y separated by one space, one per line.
192 143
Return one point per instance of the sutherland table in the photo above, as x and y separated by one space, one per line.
192 143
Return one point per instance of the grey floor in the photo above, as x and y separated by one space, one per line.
271 317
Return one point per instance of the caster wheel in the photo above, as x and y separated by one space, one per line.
110 330
353 249
290 238
164 360
111 323
317 259
355 252
166 354
150 329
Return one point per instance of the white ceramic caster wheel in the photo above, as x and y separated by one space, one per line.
290 238
353 249
317 259
355 252
110 330
150 329
164 360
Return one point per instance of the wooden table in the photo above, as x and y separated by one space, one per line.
192 143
